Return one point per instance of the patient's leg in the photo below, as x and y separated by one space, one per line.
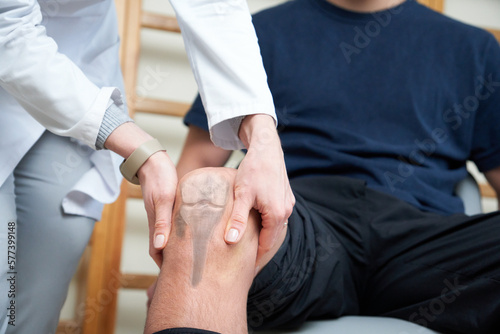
203 281
204 197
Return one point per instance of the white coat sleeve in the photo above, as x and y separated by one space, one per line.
222 48
45 82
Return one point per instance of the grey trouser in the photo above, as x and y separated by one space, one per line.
47 242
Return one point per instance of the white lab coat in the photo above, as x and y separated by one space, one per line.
59 70
55 56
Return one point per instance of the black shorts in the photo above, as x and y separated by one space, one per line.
351 250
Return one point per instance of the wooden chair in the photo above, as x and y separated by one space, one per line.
99 276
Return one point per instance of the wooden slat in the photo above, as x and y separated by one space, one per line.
103 279
161 107
160 22
134 191
131 50
487 191
437 5
68 327
121 11
137 281
495 33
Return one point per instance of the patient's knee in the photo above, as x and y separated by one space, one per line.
203 200
203 204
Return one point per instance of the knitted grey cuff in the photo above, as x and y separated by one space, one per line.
113 117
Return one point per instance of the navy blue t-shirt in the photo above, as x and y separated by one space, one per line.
400 98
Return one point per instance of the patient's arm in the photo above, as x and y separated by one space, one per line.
199 152
493 177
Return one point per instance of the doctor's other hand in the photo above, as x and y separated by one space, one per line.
158 179
261 183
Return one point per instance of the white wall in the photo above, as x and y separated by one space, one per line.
483 13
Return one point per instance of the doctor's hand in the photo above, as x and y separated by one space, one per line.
261 183
158 179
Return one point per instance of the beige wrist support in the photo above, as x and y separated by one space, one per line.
131 165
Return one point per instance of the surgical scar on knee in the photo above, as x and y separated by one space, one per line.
204 198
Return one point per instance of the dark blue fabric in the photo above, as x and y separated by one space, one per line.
400 99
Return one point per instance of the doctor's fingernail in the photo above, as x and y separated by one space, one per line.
159 240
232 235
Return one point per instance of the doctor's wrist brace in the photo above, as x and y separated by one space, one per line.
134 162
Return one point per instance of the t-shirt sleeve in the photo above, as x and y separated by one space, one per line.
486 138
196 115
